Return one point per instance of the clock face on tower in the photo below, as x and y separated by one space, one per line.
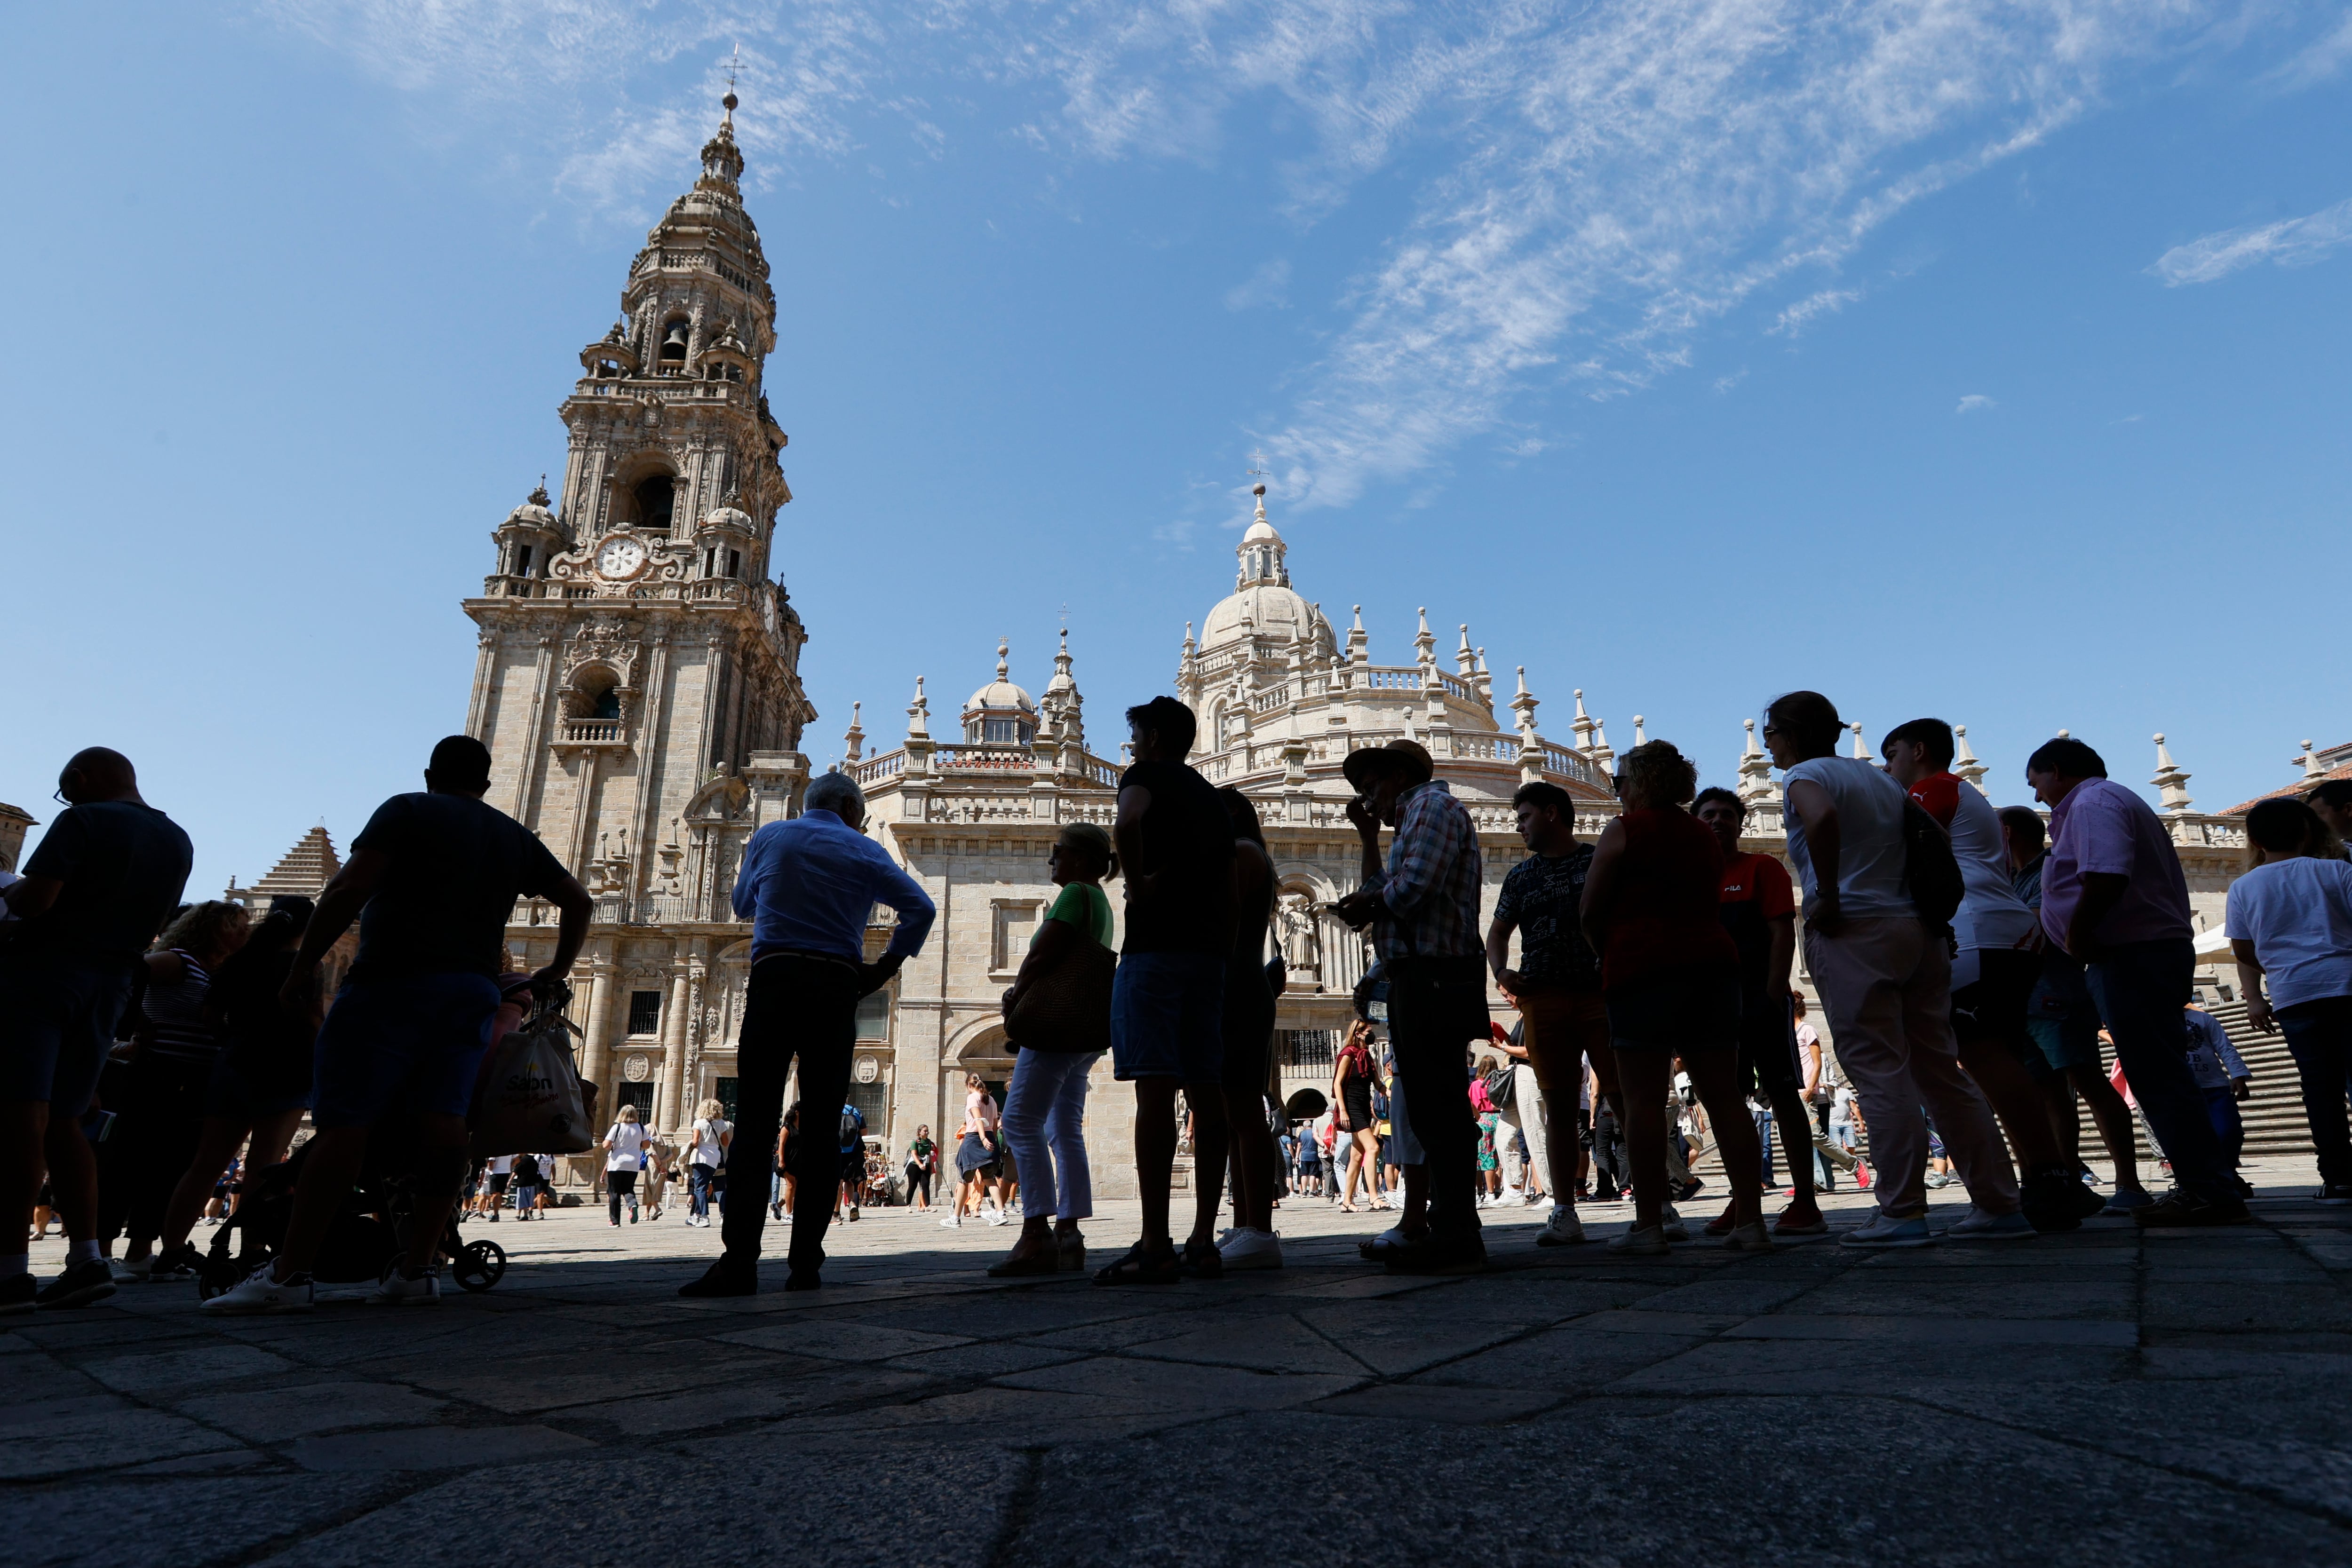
620 556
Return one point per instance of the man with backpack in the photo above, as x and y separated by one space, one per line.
1881 886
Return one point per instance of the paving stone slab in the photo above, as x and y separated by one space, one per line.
274 1414
1930 1331
1177 1385
841 1341
432 1448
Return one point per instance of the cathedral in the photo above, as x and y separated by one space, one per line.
637 684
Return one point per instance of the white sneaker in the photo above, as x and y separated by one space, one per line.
1251 1248
1751 1237
1979 1226
1672 1224
951 1223
996 1217
395 1290
1645 1243
129 1274
257 1292
1563 1229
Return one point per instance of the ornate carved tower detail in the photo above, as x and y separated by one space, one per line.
638 679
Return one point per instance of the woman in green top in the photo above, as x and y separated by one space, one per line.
1044 1106
923 1161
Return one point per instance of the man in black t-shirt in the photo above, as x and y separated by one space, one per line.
1167 1009
96 888
432 880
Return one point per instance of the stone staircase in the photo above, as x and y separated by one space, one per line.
2273 1116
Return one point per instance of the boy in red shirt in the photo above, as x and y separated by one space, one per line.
1759 911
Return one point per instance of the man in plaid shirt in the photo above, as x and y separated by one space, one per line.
1423 906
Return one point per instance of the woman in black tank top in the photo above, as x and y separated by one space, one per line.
1248 1056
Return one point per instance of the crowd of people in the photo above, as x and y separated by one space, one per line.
1976 968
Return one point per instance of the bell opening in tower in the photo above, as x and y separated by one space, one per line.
655 497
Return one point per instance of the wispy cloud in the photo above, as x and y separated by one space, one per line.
1975 402
2323 59
2293 242
1589 190
1269 285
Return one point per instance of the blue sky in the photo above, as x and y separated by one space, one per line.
1984 361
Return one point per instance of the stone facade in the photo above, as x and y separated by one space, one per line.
15 821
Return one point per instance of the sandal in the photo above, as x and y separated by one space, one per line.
1137 1266
1202 1260
1047 1262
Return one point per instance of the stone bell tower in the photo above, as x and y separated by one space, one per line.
638 678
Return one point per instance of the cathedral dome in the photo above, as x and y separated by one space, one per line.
1266 610
533 513
1000 692
733 519
1261 532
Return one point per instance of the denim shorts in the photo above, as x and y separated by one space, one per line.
57 1013
2064 1042
415 1042
1167 1016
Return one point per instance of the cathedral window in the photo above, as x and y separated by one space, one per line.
734 563
655 497
645 1012
1007 732
521 567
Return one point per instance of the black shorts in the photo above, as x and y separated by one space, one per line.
1679 1010
1992 1007
1769 1062
499 1180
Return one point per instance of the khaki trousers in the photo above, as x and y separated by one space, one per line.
1887 985
1562 1027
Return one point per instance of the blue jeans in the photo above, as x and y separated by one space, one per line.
2319 1037
2141 988
698 1190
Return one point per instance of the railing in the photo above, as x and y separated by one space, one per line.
506 587
620 909
1299 1050
875 769
590 731
717 588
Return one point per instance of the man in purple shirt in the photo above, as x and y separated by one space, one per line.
2113 894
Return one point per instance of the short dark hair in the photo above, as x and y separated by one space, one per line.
2336 792
2283 824
2067 757
2024 825
1717 792
1243 813
1809 718
1932 733
1545 796
1175 722
460 762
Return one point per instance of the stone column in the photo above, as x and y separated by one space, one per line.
596 1050
672 1084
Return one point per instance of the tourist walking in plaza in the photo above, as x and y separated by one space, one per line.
2289 922
1883 976
1354 1085
95 890
1057 1014
1421 904
2113 895
852 1137
1176 845
711 1136
432 880
1247 1039
1759 910
1994 972
160 1097
922 1166
626 1143
1671 980
528 1184
974 1152
808 884
2062 1022
2224 1078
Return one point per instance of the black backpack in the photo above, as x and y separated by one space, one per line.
1929 869
852 1126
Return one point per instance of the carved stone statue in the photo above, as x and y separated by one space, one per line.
1302 946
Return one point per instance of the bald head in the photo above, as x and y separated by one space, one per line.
96 773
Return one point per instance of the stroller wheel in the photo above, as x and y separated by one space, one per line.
217 1274
479 1265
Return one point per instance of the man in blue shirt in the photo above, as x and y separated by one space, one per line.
807 886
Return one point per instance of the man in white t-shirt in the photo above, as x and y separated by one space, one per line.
1993 973
1886 980
2289 922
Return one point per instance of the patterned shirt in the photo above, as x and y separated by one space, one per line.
1431 882
1543 896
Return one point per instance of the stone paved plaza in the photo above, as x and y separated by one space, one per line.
2106 1398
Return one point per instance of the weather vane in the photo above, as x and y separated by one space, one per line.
733 60
1258 472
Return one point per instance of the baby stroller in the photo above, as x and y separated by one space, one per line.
368 1237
